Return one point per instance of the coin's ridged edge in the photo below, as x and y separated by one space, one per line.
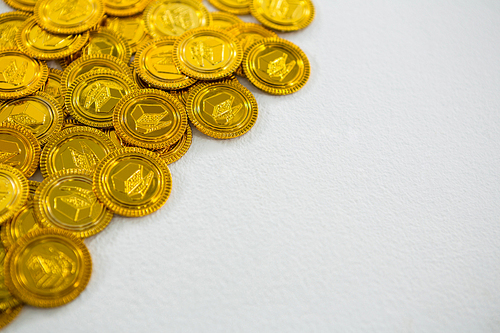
55 139
136 9
44 221
220 74
171 158
33 141
16 14
28 297
128 52
84 37
23 191
141 143
285 28
228 16
236 11
11 315
120 210
268 88
222 135
80 28
68 98
58 110
20 6
145 76
68 70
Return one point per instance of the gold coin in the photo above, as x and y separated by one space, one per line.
289 15
174 17
132 28
132 181
150 118
221 20
68 16
24 5
222 110
124 7
91 99
53 87
7 316
76 147
111 133
139 82
40 113
10 23
47 267
19 148
207 53
41 44
276 66
65 200
14 190
89 63
23 221
236 7
177 150
70 122
247 34
154 65
20 75
106 41
7 300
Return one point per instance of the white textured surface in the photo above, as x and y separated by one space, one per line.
369 201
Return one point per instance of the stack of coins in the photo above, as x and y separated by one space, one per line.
103 130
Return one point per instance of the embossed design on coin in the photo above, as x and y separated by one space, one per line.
9 150
69 10
82 159
99 93
132 181
51 269
77 205
221 108
211 50
146 122
14 74
277 68
8 33
284 15
25 114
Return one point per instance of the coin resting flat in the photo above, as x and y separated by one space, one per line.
106 41
19 148
289 15
132 181
48 267
132 28
10 24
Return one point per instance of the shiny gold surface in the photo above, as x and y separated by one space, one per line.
106 41
10 24
132 28
124 7
7 300
14 190
283 15
236 7
19 148
174 152
224 21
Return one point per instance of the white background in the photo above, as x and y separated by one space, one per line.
368 201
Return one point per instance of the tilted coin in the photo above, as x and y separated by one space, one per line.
19 148
111 133
174 152
221 20
7 300
222 110
40 113
14 190
106 41
89 63
207 53
237 7
65 200
91 99
150 118
174 17
20 75
68 16
23 221
132 181
53 86
289 15
24 5
10 23
47 267
76 147
155 66
132 28
276 66
124 8
7 316
41 44
70 122
139 82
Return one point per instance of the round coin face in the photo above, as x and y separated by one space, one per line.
41 44
224 21
174 152
14 191
155 66
91 99
207 53
10 23
175 17
222 110
276 66
106 41
132 181
24 5
150 118
7 300
124 7
236 7
75 148
289 15
48 267
40 113
68 16
20 75
65 200
131 28
19 148
7 316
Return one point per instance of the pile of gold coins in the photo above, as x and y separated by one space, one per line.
104 129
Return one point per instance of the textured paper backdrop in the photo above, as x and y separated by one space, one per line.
366 202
